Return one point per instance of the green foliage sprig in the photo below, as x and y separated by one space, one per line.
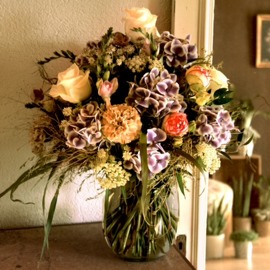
62 54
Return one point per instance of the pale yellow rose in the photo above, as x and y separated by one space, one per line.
140 18
202 98
73 85
217 80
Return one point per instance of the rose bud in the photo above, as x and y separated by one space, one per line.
106 89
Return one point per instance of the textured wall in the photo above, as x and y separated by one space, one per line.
30 30
235 46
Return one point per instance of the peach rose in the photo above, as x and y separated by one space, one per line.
73 85
140 18
175 124
198 78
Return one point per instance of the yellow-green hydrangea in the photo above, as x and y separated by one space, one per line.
112 175
209 157
155 63
137 63
67 111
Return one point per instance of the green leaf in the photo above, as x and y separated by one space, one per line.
221 101
222 96
144 160
221 92
64 54
225 155
38 169
249 140
194 161
180 183
48 225
123 191
57 54
47 184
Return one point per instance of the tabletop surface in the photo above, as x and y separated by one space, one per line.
73 247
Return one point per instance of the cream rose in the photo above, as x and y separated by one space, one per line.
202 98
218 80
140 18
73 85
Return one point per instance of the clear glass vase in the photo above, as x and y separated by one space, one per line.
138 228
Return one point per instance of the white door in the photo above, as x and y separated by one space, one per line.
195 17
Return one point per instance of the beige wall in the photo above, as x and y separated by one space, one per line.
235 46
30 30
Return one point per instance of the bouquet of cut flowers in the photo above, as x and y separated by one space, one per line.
136 109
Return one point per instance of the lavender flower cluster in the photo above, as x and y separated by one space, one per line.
158 159
84 128
157 93
177 51
214 125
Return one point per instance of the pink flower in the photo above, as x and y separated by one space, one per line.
175 124
106 89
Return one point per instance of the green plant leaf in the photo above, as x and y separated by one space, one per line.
64 54
48 225
38 169
249 140
144 161
221 101
180 183
196 162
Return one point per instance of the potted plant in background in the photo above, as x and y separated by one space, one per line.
243 243
245 114
242 189
215 236
261 215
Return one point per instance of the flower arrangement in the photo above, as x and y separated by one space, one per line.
135 109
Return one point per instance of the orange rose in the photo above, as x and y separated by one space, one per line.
175 124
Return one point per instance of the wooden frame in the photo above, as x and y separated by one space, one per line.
263 41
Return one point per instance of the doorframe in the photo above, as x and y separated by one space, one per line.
195 17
